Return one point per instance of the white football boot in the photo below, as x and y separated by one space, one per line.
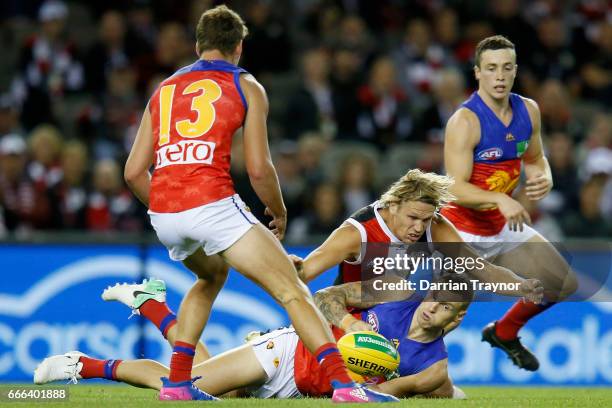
61 367
133 295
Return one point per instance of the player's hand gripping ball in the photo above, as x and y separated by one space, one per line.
368 353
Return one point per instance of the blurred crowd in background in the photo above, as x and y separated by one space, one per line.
359 92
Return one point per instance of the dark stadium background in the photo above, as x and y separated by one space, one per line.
359 93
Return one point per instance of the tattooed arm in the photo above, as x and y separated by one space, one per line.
334 302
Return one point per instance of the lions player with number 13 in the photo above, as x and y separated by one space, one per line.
186 134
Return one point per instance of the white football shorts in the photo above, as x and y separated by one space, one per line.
214 226
505 241
276 352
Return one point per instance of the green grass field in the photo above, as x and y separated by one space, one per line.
498 397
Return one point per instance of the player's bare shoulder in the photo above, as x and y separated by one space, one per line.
350 233
530 104
464 127
349 238
464 117
252 88
533 109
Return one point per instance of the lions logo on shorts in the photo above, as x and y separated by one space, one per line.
270 345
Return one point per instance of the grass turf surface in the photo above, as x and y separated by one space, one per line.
92 396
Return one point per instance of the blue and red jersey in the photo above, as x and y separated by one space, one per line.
393 321
497 163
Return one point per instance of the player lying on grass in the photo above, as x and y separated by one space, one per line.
277 364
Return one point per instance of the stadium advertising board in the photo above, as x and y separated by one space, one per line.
50 303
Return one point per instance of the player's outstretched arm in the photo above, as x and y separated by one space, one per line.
136 172
424 382
262 173
443 231
537 170
344 243
530 289
334 301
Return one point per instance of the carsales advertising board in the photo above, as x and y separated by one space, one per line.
50 303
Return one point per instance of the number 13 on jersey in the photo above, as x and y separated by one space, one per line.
202 104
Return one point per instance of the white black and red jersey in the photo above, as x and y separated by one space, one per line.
372 229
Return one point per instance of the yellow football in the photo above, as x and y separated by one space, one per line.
368 353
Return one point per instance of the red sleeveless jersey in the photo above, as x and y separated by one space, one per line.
373 229
194 115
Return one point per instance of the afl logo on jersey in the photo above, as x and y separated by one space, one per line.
373 320
493 153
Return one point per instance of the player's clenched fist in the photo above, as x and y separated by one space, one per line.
538 187
532 290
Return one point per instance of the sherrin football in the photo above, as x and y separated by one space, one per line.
368 353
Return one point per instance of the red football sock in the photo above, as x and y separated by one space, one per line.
332 364
95 368
516 317
159 314
181 362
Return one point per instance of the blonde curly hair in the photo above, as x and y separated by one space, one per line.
416 185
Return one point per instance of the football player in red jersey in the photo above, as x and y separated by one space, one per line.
486 141
186 133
